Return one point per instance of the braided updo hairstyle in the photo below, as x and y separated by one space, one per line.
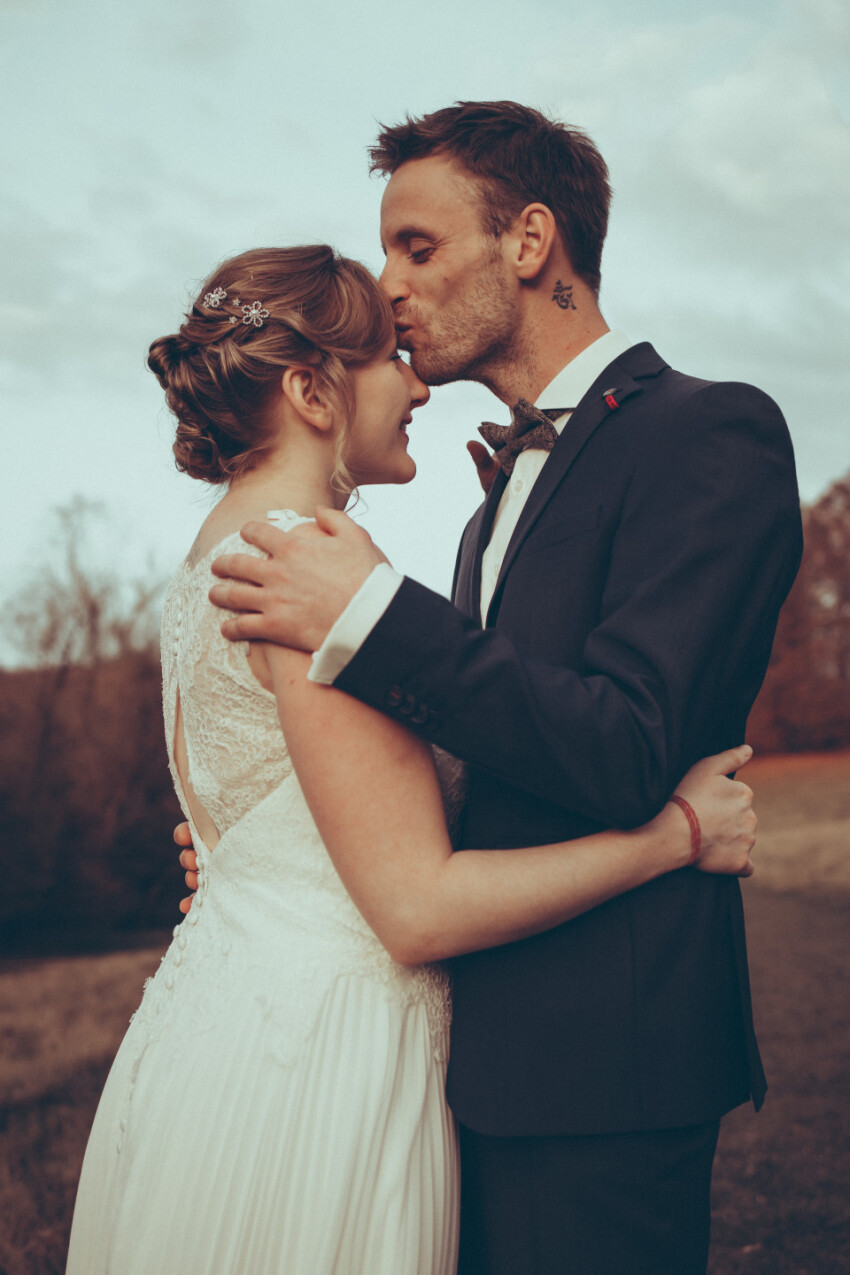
220 369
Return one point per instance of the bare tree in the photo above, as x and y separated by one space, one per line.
805 702
73 612
84 780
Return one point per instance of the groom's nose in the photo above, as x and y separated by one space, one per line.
393 282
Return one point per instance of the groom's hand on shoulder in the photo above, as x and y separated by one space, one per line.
294 595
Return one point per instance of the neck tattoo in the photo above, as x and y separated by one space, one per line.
563 296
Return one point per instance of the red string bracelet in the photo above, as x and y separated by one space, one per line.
693 823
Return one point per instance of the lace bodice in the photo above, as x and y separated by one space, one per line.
270 904
236 751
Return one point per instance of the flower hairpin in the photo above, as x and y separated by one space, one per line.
254 313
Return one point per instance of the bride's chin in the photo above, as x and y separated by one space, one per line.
403 473
391 480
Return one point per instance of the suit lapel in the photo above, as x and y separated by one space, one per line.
619 381
467 594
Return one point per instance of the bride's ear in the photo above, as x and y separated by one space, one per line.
301 389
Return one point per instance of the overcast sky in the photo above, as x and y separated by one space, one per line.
144 141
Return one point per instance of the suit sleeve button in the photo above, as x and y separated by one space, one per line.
408 706
395 696
420 717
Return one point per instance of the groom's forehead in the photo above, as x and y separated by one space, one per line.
424 192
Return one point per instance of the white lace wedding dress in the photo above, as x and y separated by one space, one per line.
277 1104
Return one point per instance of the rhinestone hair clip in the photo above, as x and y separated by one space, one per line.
254 313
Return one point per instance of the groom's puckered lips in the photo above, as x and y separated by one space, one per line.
403 337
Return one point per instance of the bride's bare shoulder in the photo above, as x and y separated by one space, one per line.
219 525
225 521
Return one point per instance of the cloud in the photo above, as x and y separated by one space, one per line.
83 301
89 282
729 146
720 131
161 140
821 28
764 153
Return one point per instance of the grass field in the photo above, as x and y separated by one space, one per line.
780 1188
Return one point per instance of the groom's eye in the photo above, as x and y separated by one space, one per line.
420 251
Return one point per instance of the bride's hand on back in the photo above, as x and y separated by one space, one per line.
188 861
724 808
485 466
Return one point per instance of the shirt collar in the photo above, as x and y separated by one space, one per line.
573 381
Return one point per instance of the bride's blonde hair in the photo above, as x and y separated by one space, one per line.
256 315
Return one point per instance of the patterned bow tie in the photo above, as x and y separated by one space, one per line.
529 427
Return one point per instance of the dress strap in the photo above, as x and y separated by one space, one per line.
286 519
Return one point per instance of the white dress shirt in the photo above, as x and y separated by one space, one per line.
377 592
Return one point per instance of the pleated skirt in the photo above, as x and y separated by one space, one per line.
229 1163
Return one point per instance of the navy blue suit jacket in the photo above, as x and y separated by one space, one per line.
628 636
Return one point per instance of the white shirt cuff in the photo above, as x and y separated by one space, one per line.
355 624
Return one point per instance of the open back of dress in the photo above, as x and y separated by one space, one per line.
234 747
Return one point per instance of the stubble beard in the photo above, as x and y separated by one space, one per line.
475 338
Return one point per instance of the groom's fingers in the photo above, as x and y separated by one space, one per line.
241 566
349 537
248 627
272 540
334 522
233 595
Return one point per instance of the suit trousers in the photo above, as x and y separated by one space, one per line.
618 1204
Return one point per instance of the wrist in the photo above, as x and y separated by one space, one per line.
693 825
669 838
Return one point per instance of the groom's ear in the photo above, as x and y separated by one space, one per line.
301 389
531 240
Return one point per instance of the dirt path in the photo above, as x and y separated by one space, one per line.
781 1199
782 1178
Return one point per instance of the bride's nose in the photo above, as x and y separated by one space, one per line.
419 392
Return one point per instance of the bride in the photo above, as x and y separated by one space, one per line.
277 1103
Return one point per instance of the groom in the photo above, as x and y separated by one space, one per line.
614 604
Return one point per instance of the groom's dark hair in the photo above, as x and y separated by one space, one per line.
519 157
